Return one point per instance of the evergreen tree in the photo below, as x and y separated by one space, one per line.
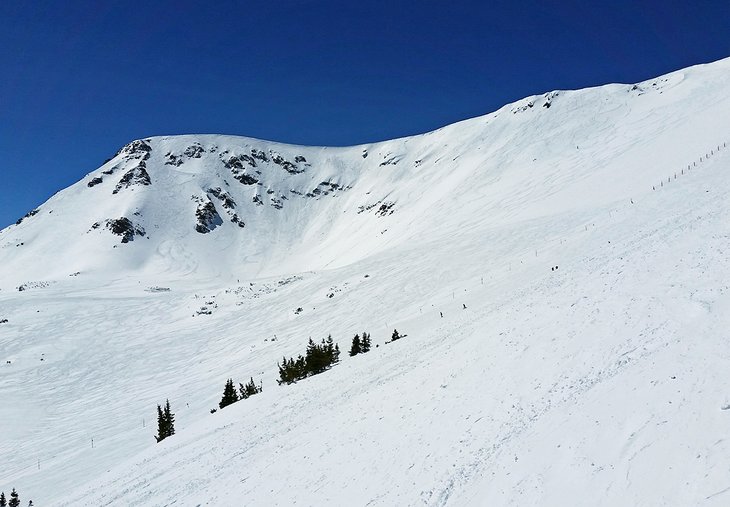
395 336
284 372
331 351
316 358
3 502
229 394
14 499
299 367
161 427
169 419
365 343
319 357
249 389
165 422
356 346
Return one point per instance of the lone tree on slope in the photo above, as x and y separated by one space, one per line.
229 394
165 422
3 502
14 499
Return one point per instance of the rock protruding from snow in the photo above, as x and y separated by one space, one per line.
122 227
207 217
135 176
27 215
139 149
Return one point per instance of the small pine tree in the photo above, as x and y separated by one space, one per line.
165 422
3 502
229 394
161 427
284 374
169 419
14 499
395 336
332 351
365 343
249 389
356 346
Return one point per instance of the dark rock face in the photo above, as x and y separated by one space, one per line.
137 149
27 215
174 160
207 217
226 200
288 166
246 179
238 221
236 165
324 188
194 151
94 182
259 155
135 176
385 209
122 227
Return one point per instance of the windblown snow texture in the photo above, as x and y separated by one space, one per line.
575 242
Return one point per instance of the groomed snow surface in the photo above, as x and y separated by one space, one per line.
591 365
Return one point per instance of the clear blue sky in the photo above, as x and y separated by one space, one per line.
80 79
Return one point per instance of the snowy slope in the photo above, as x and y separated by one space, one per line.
601 383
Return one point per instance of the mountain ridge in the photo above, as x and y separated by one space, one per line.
559 271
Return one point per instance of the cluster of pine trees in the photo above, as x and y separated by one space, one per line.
360 345
165 422
14 500
319 357
245 391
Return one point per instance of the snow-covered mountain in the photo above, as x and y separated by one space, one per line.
559 267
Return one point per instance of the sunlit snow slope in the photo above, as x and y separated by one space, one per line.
586 232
